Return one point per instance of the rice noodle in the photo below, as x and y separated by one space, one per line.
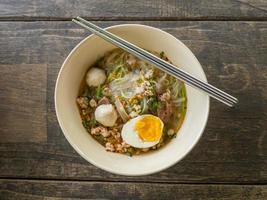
121 110
124 83
179 100
159 84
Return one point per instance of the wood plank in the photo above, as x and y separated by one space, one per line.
133 10
234 146
23 103
28 189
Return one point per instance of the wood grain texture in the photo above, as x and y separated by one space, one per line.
23 103
133 10
20 189
233 148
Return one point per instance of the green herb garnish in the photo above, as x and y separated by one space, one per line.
117 72
153 104
130 151
162 54
100 139
93 123
128 154
86 124
99 93
182 94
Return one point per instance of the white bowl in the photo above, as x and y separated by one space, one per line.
68 83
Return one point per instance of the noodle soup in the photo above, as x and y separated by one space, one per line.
129 106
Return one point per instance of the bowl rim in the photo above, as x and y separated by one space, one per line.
77 149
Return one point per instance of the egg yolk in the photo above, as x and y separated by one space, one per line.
149 128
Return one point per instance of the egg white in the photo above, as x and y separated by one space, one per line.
131 137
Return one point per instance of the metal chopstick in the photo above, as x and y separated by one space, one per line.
163 65
163 62
170 70
221 98
181 74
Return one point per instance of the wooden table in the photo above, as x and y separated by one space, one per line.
229 38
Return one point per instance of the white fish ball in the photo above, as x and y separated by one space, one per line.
106 114
95 77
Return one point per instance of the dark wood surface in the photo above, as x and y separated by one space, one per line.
35 190
229 162
134 10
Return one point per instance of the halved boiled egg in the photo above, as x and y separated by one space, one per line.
143 131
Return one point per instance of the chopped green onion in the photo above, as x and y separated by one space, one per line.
183 95
144 105
99 92
117 72
153 104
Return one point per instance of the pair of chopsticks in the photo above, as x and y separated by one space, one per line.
157 62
